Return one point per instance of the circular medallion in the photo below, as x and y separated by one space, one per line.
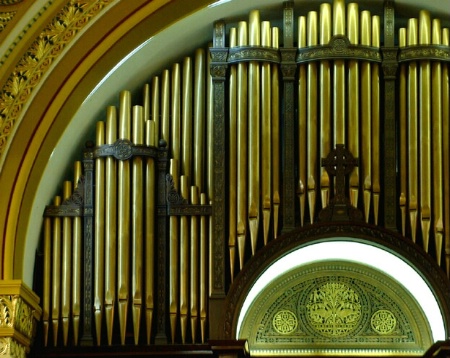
334 309
383 322
284 322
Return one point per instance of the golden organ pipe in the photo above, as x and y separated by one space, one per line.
150 185
254 90
339 75
233 158
47 277
174 146
186 125
203 272
376 187
436 95
366 112
199 118
123 227
302 112
312 117
56 273
266 145
403 133
184 262
99 234
353 101
146 101
242 120
110 224
446 149
155 103
275 99
137 221
165 107
76 262
325 98
173 259
66 266
425 130
194 266
210 159
412 129
175 139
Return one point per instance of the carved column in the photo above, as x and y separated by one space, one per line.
217 244
19 313
288 69
390 65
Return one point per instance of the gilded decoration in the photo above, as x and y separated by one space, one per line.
19 313
11 348
37 60
5 17
335 307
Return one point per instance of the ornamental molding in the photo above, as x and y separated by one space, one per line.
6 17
38 59
19 314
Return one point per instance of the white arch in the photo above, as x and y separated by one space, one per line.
362 253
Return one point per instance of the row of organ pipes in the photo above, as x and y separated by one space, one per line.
338 103
424 138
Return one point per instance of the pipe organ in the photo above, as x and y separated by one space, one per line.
224 154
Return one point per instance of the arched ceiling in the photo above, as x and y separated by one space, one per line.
82 54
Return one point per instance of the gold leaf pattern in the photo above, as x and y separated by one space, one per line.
41 54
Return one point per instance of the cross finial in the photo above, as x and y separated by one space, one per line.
339 163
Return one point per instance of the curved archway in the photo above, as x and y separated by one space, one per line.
366 261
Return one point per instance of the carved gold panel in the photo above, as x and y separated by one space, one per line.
336 308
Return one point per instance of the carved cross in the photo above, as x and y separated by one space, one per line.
339 163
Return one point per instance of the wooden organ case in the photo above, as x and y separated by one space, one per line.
226 154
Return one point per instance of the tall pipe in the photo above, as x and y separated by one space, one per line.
375 82
266 135
99 234
56 273
312 114
425 130
254 112
413 177
366 114
137 221
242 120
437 148
233 158
302 120
325 99
403 133
66 266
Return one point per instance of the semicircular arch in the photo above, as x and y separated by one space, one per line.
376 262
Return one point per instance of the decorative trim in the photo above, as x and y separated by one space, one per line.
253 53
19 313
179 206
6 17
73 206
37 60
339 47
424 52
124 149
9 2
